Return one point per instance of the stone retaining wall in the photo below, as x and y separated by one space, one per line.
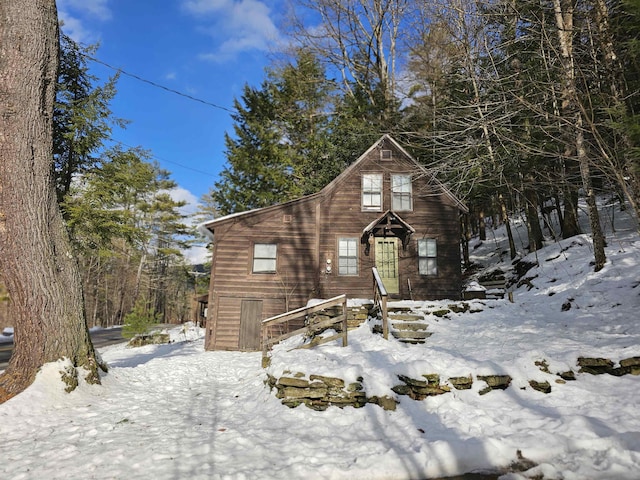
356 316
319 392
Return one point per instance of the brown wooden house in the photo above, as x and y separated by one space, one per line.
385 210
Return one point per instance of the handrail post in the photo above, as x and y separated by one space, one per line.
380 299
301 312
265 348
345 324
385 324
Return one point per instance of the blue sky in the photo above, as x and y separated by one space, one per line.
208 49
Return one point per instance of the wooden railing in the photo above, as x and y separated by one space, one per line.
380 301
272 324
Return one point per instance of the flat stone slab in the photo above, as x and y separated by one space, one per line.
410 334
410 326
407 317
630 362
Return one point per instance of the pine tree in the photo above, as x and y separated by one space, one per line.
280 149
82 118
128 232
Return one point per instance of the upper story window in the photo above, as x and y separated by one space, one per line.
348 256
428 256
372 191
401 193
264 257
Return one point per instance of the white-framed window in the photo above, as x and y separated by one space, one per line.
264 257
428 256
386 155
372 191
347 256
401 193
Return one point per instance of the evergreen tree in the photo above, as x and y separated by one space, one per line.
82 118
303 96
258 173
280 149
128 233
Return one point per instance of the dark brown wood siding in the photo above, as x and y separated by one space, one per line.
293 229
433 216
307 232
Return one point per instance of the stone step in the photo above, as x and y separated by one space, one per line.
392 309
409 326
410 335
405 317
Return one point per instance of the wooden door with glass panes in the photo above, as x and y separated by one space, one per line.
387 263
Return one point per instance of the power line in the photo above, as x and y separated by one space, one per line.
155 157
157 85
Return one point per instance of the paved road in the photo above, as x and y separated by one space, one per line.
100 338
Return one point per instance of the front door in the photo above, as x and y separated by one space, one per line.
387 263
250 324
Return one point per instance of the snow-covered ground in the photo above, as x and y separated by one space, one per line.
175 411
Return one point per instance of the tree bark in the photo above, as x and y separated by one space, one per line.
466 236
563 10
536 239
482 227
505 218
41 273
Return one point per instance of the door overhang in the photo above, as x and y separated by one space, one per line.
389 224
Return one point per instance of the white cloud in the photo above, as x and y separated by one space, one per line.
95 8
236 26
73 27
207 6
195 254
180 194
74 13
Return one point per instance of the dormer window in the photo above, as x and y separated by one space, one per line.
372 192
401 198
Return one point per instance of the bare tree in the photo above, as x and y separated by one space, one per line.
360 39
40 271
564 16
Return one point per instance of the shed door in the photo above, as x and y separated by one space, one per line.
387 263
250 324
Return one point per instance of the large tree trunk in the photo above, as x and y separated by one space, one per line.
41 273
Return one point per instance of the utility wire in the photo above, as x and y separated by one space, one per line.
154 84
163 160
157 85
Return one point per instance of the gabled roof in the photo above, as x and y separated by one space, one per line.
336 181
388 224
430 177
